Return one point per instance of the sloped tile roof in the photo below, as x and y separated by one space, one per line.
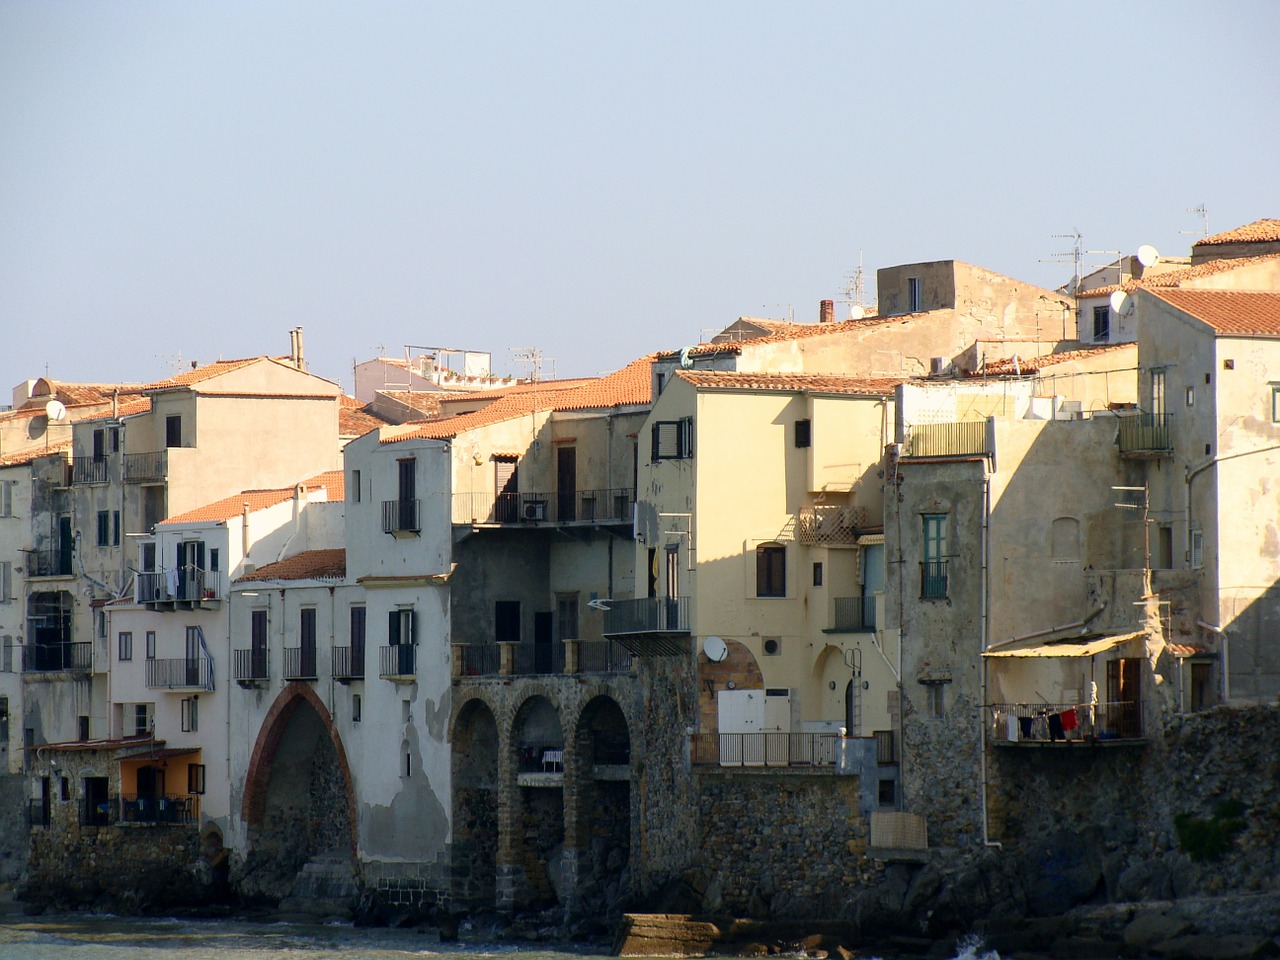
125 408
793 382
792 331
997 368
206 372
308 565
355 419
1175 278
27 456
1187 649
1260 231
1229 312
233 506
426 402
630 386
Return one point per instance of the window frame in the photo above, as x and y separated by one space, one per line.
771 571
803 433
1101 324
671 440
124 646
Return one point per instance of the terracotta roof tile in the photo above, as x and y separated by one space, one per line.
1025 365
1175 278
426 402
1229 312
792 331
199 374
125 408
355 419
27 456
794 382
630 386
332 481
1187 649
308 565
1260 231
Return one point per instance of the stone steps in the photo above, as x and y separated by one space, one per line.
326 886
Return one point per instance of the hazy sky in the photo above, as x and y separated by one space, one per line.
182 181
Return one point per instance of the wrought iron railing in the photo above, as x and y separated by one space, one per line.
51 563
537 659
41 657
1066 722
348 662
647 615
251 665
401 516
961 439
612 505
177 673
169 808
764 749
933 580
146 466
397 660
300 663
1145 433
855 613
189 583
89 469
478 659
603 656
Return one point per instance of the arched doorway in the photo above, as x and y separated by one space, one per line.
537 741
602 821
298 803
475 805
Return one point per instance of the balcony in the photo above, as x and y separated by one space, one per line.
401 517
603 656
824 524
179 674
50 563
398 663
300 663
584 507
250 667
933 580
157 809
141 467
188 588
1067 724
764 749
89 470
647 615
50 657
1145 436
968 438
854 614
477 659
348 663
537 659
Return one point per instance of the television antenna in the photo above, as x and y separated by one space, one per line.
533 357
855 291
1075 257
1201 211
791 314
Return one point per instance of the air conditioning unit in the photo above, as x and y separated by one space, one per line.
535 510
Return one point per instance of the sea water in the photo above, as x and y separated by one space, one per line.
83 937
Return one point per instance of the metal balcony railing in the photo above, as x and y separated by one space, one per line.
1067 722
159 809
42 657
189 584
478 659
251 665
647 615
603 656
537 659
853 614
1145 434
300 663
397 661
348 662
51 563
401 516
933 580
177 674
966 438
764 749
146 466
613 505
89 469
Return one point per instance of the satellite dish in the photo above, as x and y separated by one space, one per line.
55 410
686 361
715 649
1148 255
1121 303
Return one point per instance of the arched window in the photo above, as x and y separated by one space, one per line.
1064 540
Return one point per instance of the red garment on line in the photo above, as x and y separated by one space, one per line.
1069 719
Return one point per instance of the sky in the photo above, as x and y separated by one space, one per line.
188 181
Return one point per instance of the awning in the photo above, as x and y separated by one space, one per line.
870 539
1085 645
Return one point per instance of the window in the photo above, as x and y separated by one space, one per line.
6 497
215 560
82 726
567 615
4 722
1191 396
888 793
1101 324
355 486
937 697
804 433
356 704
817 574
1163 552
506 621
99 445
64 788
771 570
151 644
141 718
124 645
115 528
357 640
6 581
672 439
195 778
113 434
1157 391
6 656
190 714
915 294
99 625
933 573
1275 403
1197 549
104 528
400 627
173 431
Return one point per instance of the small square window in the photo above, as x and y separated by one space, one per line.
804 433
1191 396
888 793
937 693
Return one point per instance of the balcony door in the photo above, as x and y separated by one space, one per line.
190 569
566 483
191 667
408 493
671 615
506 484
1124 696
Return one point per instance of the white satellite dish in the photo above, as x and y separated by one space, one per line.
1148 255
1121 303
715 649
55 410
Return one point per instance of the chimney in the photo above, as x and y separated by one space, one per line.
826 311
295 349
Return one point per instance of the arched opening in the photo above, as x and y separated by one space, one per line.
298 797
475 805
602 825
537 740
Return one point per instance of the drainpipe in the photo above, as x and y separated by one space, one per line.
983 630
297 515
1063 628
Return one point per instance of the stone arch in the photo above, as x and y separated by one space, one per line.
599 824
538 828
832 687
739 667
476 803
299 798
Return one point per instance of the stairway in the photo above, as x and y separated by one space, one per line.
326 886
